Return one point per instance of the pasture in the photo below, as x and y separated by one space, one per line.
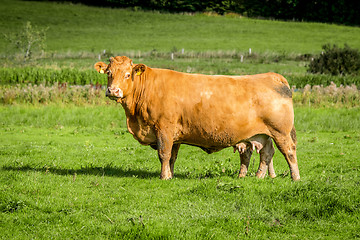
70 169
77 36
75 172
75 28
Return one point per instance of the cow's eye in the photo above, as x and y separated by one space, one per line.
127 75
108 72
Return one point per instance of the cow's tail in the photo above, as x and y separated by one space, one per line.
293 135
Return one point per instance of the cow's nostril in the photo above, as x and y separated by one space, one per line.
114 92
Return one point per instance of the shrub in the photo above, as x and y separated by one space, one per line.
336 61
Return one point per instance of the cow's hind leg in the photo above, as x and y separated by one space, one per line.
245 160
271 169
174 153
287 146
266 159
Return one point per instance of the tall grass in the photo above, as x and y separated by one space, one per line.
316 96
329 96
57 93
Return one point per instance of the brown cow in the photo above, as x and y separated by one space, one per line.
166 108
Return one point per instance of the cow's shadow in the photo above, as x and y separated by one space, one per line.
95 171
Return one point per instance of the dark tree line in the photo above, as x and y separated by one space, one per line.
330 11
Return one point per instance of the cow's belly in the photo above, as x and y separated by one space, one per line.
213 140
221 132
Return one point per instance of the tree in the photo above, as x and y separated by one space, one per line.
29 39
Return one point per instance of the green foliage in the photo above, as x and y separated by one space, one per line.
28 40
68 171
50 76
336 61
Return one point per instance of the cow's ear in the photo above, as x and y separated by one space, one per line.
100 67
139 69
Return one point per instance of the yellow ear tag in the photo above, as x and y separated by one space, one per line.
138 73
101 71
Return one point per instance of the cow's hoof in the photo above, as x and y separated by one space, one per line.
295 177
260 174
165 177
272 175
242 175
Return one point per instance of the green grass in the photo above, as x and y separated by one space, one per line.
75 172
79 28
327 120
78 35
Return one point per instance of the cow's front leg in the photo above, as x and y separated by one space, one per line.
174 153
165 146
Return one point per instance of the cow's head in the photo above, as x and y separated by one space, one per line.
120 79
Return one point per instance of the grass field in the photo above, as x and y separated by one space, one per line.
82 28
69 169
75 172
77 34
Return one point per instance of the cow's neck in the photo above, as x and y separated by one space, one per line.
133 103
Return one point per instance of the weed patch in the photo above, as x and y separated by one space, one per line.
331 96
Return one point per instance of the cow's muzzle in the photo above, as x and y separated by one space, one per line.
114 93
